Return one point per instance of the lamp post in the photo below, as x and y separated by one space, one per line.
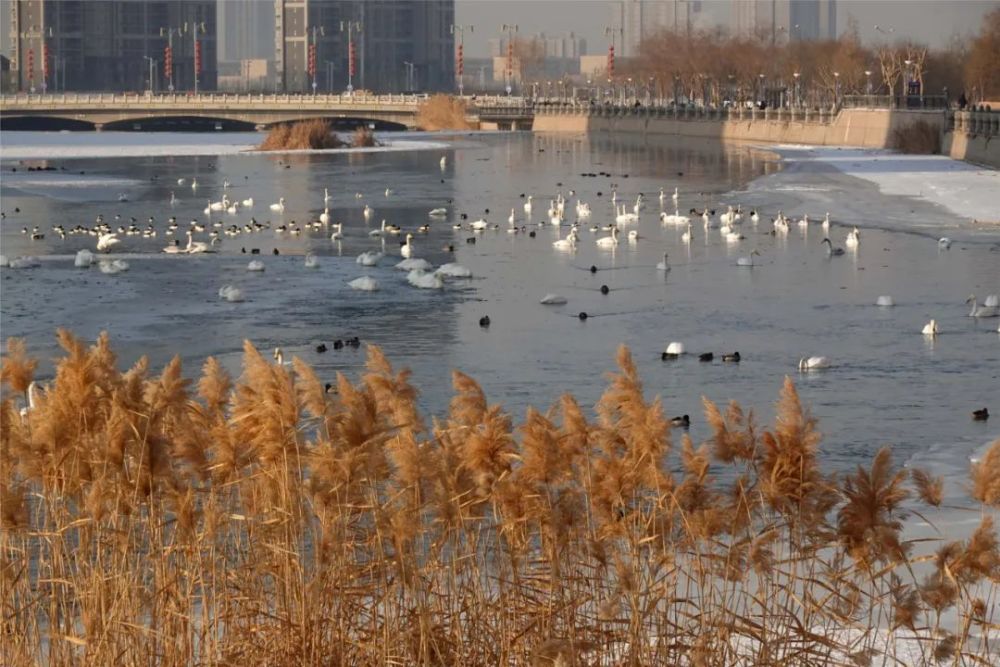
798 100
409 76
168 54
906 80
460 58
510 29
762 92
836 88
610 31
350 27
152 65
313 48
868 85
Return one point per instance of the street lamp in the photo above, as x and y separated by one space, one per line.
152 65
460 60
836 88
168 56
313 48
510 29
350 27
762 92
798 100
409 76
906 78
868 83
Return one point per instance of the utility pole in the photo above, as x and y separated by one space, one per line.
195 27
460 57
510 29
152 64
350 27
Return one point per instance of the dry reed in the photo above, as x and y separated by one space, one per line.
149 519
919 137
442 112
301 135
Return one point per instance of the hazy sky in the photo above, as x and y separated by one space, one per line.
930 21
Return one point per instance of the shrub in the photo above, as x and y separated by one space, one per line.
306 134
363 137
919 137
442 112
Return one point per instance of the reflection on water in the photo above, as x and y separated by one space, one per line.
888 384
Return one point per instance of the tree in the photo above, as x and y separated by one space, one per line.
982 68
890 62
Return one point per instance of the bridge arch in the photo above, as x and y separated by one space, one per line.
178 123
45 123
342 123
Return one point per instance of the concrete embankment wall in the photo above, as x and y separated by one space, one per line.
870 128
973 136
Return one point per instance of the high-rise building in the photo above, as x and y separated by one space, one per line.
108 45
635 20
783 20
246 30
399 45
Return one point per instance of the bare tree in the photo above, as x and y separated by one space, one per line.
890 63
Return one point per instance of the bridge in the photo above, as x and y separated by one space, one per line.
131 111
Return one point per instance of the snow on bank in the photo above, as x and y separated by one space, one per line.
64 145
964 189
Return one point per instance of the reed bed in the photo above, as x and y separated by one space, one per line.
153 519
442 112
307 134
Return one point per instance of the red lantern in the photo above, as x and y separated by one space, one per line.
312 60
351 58
45 62
31 64
168 62
460 65
611 61
197 57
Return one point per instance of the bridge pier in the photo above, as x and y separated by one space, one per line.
98 127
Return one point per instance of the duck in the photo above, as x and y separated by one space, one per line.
406 250
663 265
930 329
321 348
982 311
609 241
364 284
280 206
369 258
748 260
832 250
733 357
706 356
813 363
683 421
980 415
484 322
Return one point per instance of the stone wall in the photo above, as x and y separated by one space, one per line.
973 136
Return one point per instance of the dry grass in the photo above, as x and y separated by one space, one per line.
919 137
150 519
363 137
442 112
306 134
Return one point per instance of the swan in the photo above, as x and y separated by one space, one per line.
633 236
173 199
826 222
686 236
674 350
780 223
663 196
175 249
853 238
107 241
248 202
280 206
337 232
255 265
181 181
729 217
638 204
234 208
123 197
364 284
582 210
675 219
414 263
708 221
370 258
326 196
367 212
734 237
930 329
324 217
553 300
885 301
754 216
378 232
194 183
113 266
424 280
444 162
279 357
406 250
664 265
527 206
196 247
944 243
748 260
609 241
556 219
312 262
832 250
813 363
804 222
452 270
512 218
676 195
982 311
23 263
438 212
992 300
231 293
84 259
568 243
479 225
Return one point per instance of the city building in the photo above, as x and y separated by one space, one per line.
250 75
784 20
633 20
399 45
246 30
559 46
113 45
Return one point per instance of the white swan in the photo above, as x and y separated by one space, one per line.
113 266
527 206
553 300
512 218
444 162
853 238
582 210
438 212
378 232
338 232
686 236
255 265
568 243
452 270
663 265
424 280
609 241
992 300
196 247
248 202
885 301
708 221
231 293
748 260
173 199
479 225
280 206
414 263
930 329
234 208
676 195
367 212
175 249
312 262
369 258
324 217
194 183
675 219
364 284
734 237
804 222
406 250
326 196
826 222
84 259
26 262
813 363
674 349
944 243
982 311
107 241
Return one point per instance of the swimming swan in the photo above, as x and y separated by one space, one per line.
832 250
424 280
452 270
981 311
663 265
113 266
885 301
84 259
370 258
280 206
553 300
748 260
312 262
231 293
255 265
609 241
107 241
364 284
414 263
406 250
813 363
930 329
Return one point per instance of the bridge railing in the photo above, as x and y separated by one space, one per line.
205 99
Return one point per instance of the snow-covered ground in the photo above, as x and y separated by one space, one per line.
969 191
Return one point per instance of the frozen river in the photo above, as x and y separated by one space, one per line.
888 385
